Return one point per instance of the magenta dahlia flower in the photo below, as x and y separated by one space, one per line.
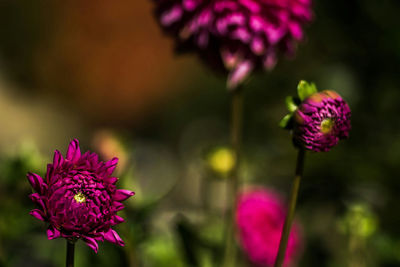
260 216
320 121
239 35
78 197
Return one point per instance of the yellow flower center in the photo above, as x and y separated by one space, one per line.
79 197
327 125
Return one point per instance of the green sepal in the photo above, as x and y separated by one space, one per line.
291 104
305 89
286 122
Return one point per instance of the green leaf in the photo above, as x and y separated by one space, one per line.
305 89
285 122
290 104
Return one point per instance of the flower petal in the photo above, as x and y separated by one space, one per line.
171 16
110 166
113 237
73 152
111 180
118 206
122 194
38 214
36 198
239 74
91 242
53 232
36 181
58 159
117 220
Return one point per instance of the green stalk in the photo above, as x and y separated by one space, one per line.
233 182
70 253
292 207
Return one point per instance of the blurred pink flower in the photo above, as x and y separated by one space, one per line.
78 197
260 216
241 35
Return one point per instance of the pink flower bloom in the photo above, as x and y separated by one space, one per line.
260 216
321 121
78 197
239 35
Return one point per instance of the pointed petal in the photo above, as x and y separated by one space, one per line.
122 194
53 233
38 200
91 242
58 159
111 180
240 73
117 220
296 31
73 152
110 166
113 237
38 214
118 206
36 181
49 173
171 16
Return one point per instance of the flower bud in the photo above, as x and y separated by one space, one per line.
320 121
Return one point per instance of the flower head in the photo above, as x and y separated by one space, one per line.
260 216
238 35
321 120
78 197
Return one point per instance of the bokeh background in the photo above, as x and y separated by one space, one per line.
102 72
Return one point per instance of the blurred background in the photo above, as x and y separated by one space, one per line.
102 72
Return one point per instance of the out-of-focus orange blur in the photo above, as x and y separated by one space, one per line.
110 57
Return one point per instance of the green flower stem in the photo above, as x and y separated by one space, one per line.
70 253
233 182
292 206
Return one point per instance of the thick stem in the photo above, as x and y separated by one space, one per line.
292 206
233 182
70 253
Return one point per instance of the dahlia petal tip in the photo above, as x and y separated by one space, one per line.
73 152
36 181
38 214
53 233
58 159
117 220
239 74
171 16
112 237
113 162
111 180
91 242
35 197
122 194
110 166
